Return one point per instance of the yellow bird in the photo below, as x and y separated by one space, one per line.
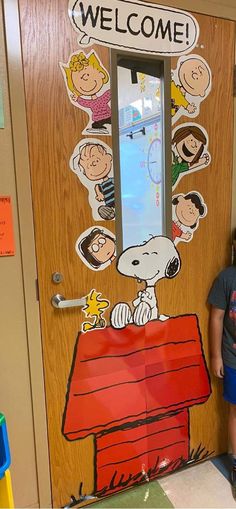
94 308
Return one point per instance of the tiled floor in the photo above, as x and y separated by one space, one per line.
201 486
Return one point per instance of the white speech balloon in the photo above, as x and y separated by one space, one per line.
134 25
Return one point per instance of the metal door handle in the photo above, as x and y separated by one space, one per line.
59 302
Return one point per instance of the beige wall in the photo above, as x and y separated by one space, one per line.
22 397
221 8
21 394
15 392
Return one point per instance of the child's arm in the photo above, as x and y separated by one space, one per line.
216 331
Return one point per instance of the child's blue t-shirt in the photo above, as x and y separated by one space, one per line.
223 296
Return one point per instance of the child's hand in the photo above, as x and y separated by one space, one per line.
217 367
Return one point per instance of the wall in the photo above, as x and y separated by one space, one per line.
221 8
15 396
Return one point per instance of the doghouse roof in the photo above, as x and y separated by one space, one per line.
123 377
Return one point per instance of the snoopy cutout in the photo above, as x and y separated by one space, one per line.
150 262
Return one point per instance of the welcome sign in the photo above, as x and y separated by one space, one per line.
134 25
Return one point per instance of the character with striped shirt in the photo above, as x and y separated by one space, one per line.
96 163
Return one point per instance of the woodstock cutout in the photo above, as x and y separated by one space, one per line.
94 308
150 262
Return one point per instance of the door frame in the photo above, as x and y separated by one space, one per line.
27 243
166 134
26 223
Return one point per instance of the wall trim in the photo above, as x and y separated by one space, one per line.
233 216
25 213
217 8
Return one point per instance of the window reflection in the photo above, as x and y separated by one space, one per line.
141 152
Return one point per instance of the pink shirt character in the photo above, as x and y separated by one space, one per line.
99 106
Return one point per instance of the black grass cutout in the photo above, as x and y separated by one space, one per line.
195 456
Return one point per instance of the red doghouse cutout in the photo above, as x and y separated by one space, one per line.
132 389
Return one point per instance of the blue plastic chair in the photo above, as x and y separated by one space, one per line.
5 458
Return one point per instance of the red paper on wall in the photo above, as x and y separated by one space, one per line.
7 245
134 374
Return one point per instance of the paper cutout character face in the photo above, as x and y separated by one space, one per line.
188 148
97 248
189 209
189 142
151 261
102 248
85 76
88 81
95 161
194 76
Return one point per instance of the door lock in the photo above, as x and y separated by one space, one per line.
57 277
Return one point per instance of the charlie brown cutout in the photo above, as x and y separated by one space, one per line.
187 210
87 83
96 248
190 85
92 163
189 151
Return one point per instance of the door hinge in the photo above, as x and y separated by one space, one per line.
37 289
234 83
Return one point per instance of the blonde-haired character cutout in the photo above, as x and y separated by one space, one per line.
85 78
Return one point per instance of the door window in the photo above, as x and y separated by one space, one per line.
142 143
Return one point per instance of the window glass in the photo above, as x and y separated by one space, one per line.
141 152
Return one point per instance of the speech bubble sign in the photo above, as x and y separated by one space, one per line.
134 25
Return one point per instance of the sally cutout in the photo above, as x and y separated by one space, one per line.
87 86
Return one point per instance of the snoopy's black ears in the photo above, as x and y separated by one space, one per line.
172 268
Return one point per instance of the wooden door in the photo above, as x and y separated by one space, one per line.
62 213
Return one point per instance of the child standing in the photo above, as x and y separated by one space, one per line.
222 298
